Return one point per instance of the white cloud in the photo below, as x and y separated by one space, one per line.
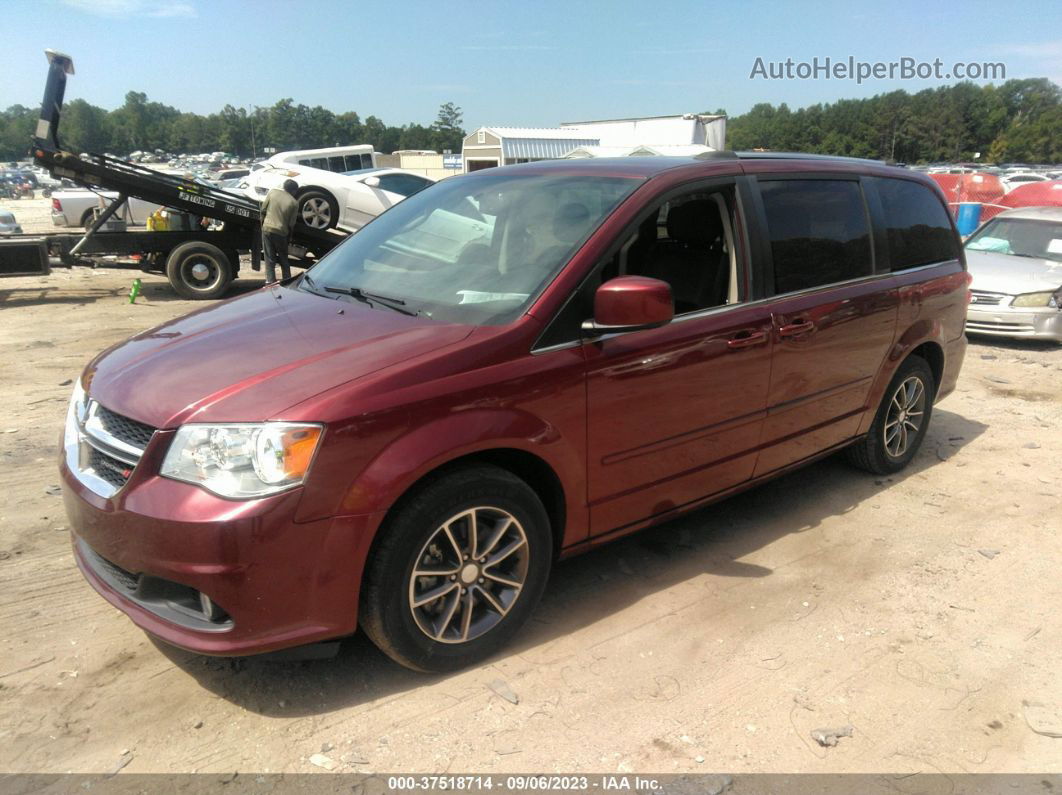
1043 49
1045 57
163 9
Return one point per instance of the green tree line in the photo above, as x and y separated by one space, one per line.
1018 121
140 124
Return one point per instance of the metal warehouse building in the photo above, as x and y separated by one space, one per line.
503 146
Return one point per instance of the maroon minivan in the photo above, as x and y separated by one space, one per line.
507 368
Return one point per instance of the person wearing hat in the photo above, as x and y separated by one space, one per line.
278 219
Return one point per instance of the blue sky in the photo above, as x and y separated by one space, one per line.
533 62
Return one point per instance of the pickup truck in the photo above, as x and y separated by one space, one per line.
75 207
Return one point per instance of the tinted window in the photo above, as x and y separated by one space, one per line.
335 163
403 184
918 228
818 230
355 162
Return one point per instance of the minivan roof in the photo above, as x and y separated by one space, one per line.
649 165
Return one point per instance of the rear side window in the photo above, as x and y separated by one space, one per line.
402 184
918 228
357 162
819 232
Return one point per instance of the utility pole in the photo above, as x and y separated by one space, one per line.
254 151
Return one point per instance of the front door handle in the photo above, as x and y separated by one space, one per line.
746 339
795 329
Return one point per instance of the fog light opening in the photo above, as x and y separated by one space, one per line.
211 610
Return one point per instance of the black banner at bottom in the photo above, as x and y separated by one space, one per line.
641 784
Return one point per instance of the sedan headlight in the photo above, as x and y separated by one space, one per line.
241 460
1036 299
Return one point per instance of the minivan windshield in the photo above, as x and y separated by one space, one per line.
473 250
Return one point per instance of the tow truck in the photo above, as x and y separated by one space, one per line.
200 262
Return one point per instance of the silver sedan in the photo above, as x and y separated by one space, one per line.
1016 263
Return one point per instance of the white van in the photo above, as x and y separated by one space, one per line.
333 158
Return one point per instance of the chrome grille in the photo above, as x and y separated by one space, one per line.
986 299
110 469
102 447
133 433
1000 326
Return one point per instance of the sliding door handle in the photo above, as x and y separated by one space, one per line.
746 339
796 329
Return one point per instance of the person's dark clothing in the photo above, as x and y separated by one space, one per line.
275 249
278 218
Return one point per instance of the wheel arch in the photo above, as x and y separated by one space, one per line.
933 354
923 339
531 468
305 189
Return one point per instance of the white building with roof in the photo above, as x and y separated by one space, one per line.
687 134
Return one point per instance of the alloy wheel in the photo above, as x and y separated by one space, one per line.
904 418
469 574
316 213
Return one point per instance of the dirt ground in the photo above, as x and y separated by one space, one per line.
34 215
922 610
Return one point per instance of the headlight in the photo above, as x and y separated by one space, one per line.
242 461
1035 299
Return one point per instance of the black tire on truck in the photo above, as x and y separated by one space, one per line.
200 271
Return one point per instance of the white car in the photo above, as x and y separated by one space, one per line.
8 224
75 207
1014 179
328 199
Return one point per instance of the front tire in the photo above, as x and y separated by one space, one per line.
901 421
457 570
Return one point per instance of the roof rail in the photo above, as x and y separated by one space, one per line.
723 154
803 156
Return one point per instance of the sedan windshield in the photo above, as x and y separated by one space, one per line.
1020 237
471 250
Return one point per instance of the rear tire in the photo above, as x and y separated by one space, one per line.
479 604
199 271
317 209
900 423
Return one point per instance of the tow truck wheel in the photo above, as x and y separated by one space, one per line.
199 271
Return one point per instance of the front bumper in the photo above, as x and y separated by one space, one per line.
1003 321
279 583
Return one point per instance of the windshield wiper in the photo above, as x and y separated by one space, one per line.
372 298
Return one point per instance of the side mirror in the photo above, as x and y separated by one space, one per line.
372 182
630 303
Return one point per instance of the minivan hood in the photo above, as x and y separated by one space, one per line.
249 358
994 272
